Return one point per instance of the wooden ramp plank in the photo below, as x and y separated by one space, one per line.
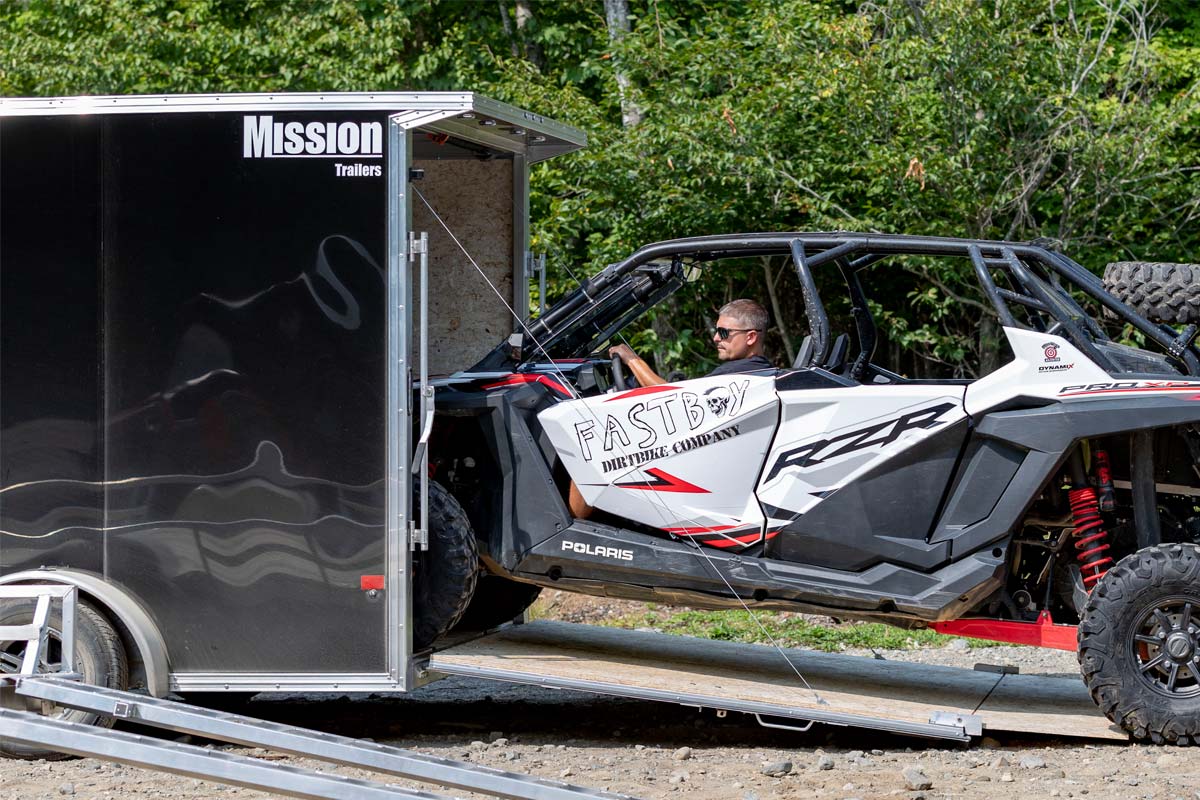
890 690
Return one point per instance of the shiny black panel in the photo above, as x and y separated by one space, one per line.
242 386
51 508
883 516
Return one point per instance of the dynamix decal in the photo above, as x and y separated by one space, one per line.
262 137
812 453
1128 386
652 425
594 550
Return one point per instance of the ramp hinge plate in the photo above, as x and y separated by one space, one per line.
970 724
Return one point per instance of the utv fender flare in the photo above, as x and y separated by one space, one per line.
1054 428
150 649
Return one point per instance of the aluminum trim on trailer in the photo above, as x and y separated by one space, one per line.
299 681
446 107
521 255
398 415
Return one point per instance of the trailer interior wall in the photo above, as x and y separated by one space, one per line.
474 198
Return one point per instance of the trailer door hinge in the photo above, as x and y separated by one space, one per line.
418 537
417 245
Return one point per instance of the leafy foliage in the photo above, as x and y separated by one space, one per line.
1068 119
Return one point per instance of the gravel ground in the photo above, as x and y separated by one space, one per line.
653 750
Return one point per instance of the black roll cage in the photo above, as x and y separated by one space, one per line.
1034 274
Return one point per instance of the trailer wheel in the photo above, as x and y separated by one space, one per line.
99 657
1139 644
444 575
497 600
1160 292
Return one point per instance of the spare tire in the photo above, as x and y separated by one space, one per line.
444 575
1160 292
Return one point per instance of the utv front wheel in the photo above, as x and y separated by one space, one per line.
444 575
1139 644
497 600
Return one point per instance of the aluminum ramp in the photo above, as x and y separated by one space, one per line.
899 697
31 689
85 740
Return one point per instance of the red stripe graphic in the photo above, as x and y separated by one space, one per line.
641 391
663 482
522 377
751 538
695 531
1191 388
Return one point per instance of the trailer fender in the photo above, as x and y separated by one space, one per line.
151 651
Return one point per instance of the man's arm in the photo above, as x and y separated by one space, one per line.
640 369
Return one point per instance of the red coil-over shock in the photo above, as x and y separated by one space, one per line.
1091 540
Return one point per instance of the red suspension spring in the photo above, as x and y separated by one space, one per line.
1091 540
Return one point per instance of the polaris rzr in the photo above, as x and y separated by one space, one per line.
1052 501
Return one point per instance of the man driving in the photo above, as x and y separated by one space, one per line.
738 336
741 325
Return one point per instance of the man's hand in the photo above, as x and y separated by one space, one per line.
625 352
640 369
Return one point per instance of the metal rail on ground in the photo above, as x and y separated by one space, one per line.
60 689
282 738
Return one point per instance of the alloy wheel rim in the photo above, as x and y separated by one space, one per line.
1166 647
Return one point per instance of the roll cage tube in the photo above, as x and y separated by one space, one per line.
818 320
1032 271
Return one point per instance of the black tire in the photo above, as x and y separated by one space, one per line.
1147 683
497 600
444 575
99 657
1160 292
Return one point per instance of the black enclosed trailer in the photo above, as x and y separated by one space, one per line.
206 360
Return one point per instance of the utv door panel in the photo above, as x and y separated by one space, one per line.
856 475
988 466
682 458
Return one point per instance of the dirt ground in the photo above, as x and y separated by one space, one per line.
655 750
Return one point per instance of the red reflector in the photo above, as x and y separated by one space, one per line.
367 582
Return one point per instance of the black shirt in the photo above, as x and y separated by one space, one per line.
751 364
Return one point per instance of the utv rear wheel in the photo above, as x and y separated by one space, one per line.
445 574
497 600
1139 644
99 657
1160 292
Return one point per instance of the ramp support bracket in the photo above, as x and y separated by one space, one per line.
970 724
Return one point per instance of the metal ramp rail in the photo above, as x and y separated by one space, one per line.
25 727
910 699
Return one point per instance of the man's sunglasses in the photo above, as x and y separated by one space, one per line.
724 333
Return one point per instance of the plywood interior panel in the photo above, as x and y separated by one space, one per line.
475 200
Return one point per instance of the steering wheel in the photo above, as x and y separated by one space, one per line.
618 374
